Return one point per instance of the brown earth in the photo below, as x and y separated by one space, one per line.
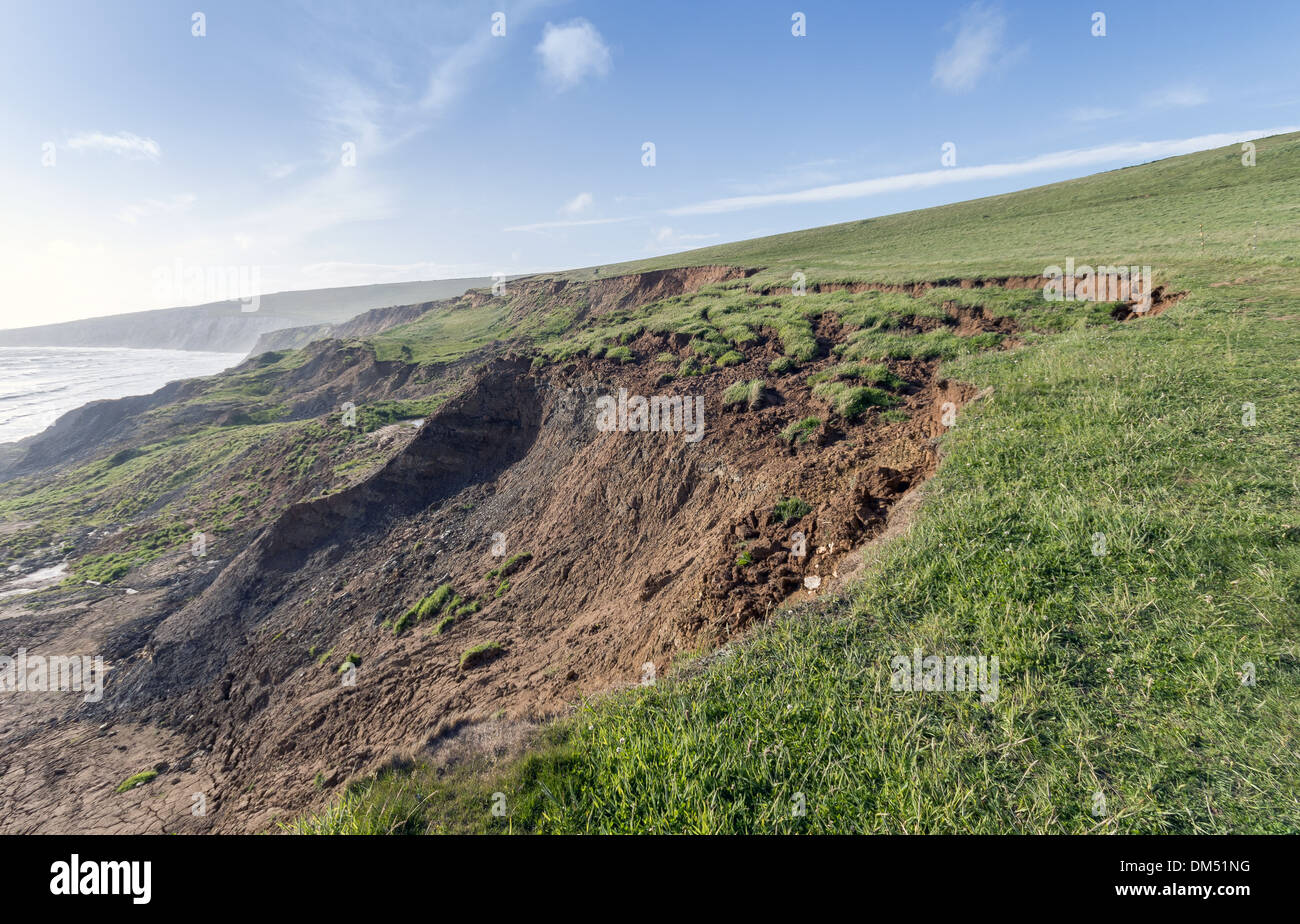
226 675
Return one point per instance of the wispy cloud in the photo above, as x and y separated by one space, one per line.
123 144
1124 152
280 171
571 52
578 204
977 47
133 213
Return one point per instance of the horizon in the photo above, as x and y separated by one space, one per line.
325 184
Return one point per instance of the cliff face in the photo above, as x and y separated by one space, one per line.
372 322
225 327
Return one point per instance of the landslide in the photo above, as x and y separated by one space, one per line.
508 558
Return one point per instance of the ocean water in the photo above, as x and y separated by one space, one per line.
37 384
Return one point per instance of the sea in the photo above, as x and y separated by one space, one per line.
38 384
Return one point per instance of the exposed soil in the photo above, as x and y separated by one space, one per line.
228 675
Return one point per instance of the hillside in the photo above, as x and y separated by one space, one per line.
432 574
227 327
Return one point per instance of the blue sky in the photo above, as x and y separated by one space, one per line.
477 153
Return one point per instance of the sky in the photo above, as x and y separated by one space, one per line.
159 156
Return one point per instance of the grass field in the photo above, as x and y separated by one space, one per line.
1112 524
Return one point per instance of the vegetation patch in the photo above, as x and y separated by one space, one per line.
138 779
481 654
789 509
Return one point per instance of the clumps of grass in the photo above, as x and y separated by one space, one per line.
138 779
502 588
730 358
444 624
801 431
481 654
860 372
620 354
352 660
748 393
789 509
469 608
714 348
691 366
894 415
798 340
666 358
429 606
851 401
782 365
511 565
940 343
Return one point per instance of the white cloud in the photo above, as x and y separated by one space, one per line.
124 144
133 213
979 41
1125 152
577 205
571 52
280 171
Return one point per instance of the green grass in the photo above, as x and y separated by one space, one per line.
800 431
138 779
444 624
444 334
788 509
430 606
1120 673
749 394
480 654
509 566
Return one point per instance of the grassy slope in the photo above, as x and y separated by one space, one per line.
1120 674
